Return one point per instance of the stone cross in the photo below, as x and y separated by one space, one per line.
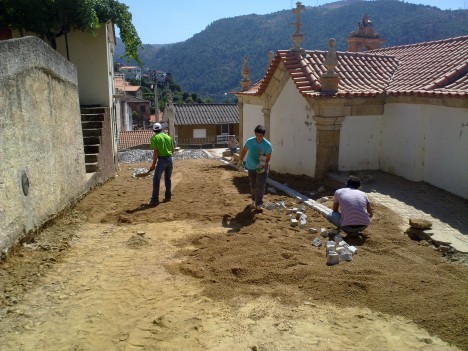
297 11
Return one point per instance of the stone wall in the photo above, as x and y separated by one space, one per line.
42 167
107 157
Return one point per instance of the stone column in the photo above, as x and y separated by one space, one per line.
240 104
328 144
266 122
169 115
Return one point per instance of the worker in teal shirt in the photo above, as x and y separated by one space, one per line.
258 150
163 147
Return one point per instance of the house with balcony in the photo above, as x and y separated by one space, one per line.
131 72
134 111
202 125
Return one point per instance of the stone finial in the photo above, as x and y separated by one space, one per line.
298 37
271 56
330 79
331 60
245 82
170 97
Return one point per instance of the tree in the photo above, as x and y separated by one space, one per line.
50 19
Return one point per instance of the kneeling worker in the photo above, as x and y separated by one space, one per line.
355 210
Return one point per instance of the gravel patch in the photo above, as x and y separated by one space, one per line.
139 156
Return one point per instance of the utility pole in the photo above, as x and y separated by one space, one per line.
156 102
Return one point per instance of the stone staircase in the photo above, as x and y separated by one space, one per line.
91 124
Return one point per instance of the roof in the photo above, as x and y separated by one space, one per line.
436 68
134 138
202 114
430 68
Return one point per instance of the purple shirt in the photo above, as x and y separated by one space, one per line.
353 206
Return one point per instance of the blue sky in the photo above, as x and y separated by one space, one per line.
171 21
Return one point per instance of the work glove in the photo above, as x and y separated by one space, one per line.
240 165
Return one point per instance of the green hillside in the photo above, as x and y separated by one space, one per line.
210 62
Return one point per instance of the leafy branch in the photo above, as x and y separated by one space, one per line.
50 19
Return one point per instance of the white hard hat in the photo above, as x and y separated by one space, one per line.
157 127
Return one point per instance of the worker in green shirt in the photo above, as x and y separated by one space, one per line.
163 147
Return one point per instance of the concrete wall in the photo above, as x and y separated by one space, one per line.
293 133
40 137
360 141
107 157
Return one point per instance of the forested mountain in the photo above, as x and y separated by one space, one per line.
210 62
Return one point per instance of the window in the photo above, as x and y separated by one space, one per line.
142 108
199 133
224 128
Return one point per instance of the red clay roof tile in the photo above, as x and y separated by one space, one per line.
134 138
437 68
205 114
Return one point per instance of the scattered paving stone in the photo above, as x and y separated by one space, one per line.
420 223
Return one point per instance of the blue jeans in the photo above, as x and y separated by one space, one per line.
335 218
233 150
164 165
257 185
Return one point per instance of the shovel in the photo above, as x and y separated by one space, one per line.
141 173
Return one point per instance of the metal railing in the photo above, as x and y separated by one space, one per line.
194 141
223 139
218 139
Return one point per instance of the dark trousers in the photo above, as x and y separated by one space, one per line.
164 165
335 218
257 185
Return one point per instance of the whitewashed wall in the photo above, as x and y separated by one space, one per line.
253 116
416 141
360 140
402 152
293 133
446 157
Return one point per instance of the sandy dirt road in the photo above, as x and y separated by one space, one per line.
204 272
